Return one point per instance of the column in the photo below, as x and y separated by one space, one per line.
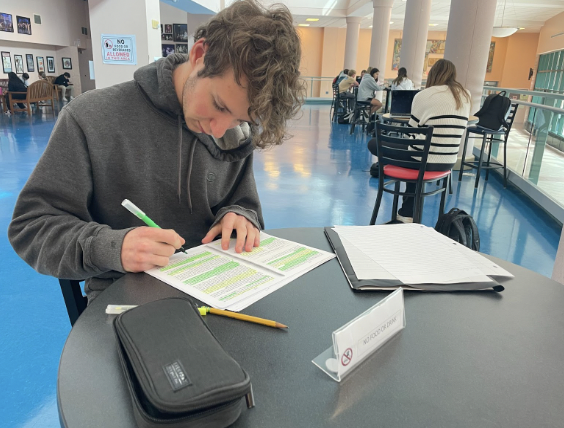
414 40
380 34
469 35
351 46
126 17
468 41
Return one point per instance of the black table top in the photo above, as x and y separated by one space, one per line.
465 359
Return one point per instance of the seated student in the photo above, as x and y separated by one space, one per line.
64 84
177 140
25 79
342 76
16 85
345 85
359 78
402 82
444 104
368 85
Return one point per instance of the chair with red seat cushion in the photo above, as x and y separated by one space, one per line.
396 165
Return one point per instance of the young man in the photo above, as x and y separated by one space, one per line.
177 141
346 85
64 84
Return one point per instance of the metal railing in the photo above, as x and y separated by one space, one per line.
535 150
319 87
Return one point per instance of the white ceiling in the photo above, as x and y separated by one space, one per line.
529 14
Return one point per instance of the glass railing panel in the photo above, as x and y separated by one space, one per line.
535 148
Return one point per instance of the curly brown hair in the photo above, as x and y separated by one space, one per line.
262 46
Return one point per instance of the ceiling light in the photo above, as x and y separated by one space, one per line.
433 25
521 28
370 26
312 19
503 31
391 22
303 25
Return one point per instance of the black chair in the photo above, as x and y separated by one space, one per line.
396 164
489 138
361 115
338 105
75 301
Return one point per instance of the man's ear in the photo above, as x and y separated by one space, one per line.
198 51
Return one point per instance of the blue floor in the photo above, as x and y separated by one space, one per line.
318 178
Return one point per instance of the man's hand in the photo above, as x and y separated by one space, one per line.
246 231
144 248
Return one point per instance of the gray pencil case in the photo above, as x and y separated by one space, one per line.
176 371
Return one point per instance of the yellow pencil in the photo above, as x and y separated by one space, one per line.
205 309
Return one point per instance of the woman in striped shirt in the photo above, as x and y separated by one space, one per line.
445 105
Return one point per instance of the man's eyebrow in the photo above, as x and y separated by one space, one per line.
220 101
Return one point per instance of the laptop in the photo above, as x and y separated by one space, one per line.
401 103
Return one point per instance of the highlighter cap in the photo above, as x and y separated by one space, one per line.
132 208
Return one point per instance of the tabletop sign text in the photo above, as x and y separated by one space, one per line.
362 336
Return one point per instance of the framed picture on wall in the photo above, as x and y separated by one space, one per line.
6 62
182 48
30 64
18 64
40 64
167 50
168 28
166 36
50 64
180 32
67 64
24 25
6 23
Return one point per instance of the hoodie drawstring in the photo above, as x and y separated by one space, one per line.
179 157
190 162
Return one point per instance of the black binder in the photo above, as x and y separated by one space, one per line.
391 285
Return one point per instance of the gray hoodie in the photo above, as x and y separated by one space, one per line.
127 141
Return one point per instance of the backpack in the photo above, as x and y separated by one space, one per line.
494 112
460 227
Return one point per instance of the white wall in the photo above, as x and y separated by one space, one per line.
58 35
123 17
61 21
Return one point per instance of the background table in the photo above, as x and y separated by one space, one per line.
465 359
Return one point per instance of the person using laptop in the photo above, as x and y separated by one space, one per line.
368 85
402 82
445 105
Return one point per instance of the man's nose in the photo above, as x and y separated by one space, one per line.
221 124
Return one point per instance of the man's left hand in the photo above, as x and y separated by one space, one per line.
248 236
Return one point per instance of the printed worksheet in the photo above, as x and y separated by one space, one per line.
228 280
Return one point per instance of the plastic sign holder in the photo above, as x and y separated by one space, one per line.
364 335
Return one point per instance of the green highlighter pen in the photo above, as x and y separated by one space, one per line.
133 209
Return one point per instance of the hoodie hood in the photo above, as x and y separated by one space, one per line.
155 82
